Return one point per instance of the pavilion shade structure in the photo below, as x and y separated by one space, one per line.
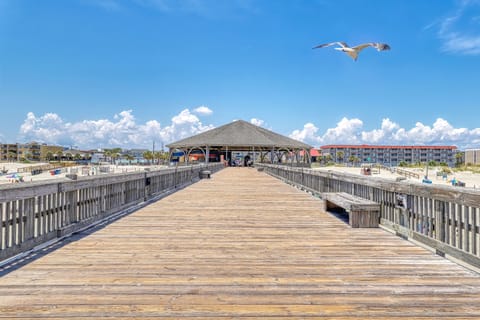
240 136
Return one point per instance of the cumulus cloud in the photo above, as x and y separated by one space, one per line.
349 131
121 131
386 133
345 130
203 110
124 130
459 31
257 122
307 134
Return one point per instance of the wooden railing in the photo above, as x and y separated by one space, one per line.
34 213
443 218
407 174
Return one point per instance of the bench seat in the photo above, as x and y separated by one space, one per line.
362 213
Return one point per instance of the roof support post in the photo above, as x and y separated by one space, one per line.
207 155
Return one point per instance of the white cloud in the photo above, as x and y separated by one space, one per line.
183 125
203 110
123 131
349 131
346 130
307 134
257 122
459 32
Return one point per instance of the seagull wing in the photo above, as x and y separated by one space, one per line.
360 47
376 45
382 46
341 44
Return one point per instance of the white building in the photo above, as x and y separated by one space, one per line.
472 156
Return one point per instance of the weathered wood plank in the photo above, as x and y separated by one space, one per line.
362 213
240 245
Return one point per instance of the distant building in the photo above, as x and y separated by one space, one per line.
390 155
9 152
97 158
32 151
472 156
137 154
48 153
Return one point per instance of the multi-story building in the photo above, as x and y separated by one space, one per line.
26 151
8 152
48 153
30 151
472 156
390 155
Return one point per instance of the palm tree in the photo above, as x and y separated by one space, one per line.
130 158
107 153
115 154
59 155
148 155
49 156
158 155
340 156
351 159
459 158
356 160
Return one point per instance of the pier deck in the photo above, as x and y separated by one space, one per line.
239 245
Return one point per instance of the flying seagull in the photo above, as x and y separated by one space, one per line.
354 51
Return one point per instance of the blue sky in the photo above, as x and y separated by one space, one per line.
105 73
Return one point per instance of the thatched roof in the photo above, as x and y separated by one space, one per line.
239 134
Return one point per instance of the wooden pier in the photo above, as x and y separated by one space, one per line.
239 245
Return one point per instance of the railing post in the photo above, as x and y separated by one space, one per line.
72 207
439 220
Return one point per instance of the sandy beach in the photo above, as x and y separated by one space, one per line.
13 176
471 180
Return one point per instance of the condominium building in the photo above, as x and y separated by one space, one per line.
8 152
472 156
390 155
26 151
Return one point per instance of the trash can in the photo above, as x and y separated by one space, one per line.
205 174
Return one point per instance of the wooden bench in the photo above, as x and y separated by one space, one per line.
362 213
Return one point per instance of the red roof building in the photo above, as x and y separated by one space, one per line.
390 155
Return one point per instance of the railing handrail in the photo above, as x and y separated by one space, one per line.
37 212
443 218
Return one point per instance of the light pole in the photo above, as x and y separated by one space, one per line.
153 152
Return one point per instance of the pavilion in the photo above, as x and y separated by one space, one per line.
240 137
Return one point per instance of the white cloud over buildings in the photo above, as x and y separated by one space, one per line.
350 131
121 131
124 130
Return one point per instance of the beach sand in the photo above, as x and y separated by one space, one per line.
471 180
81 170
